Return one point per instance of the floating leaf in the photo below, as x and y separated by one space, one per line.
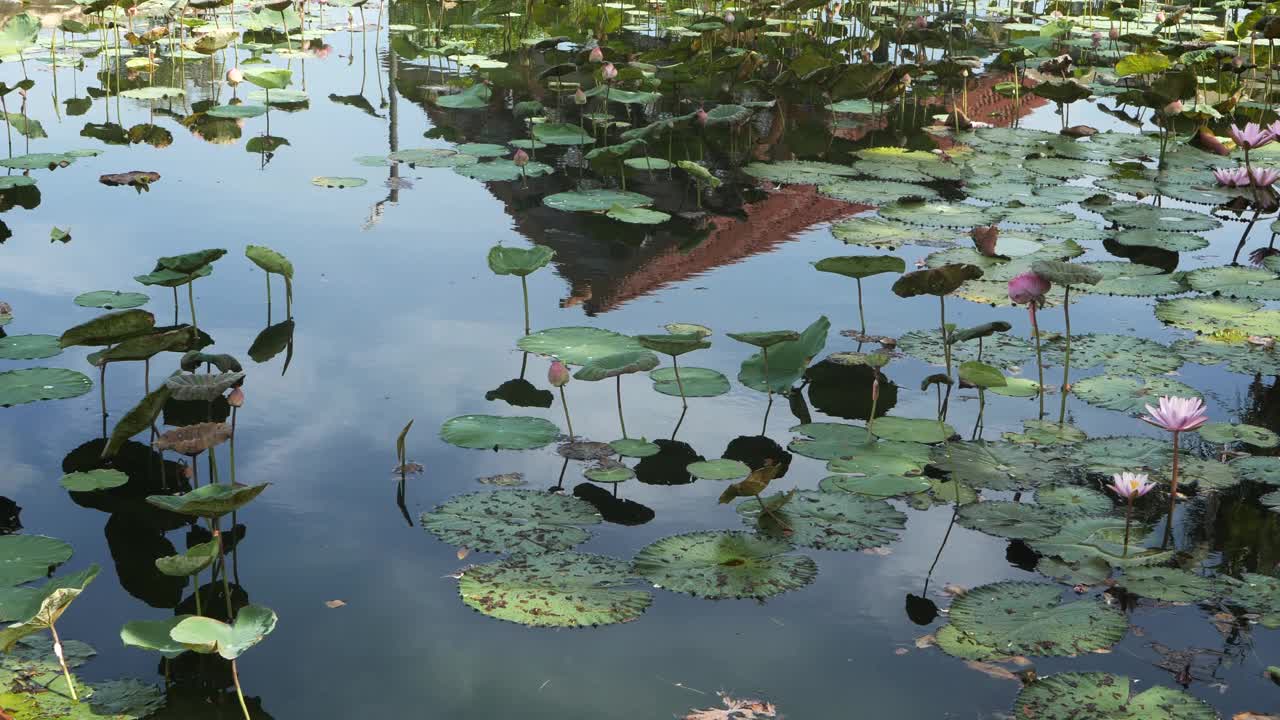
578 345
490 432
1018 521
696 381
1030 619
999 466
723 564
637 215
1088 539
1238 432
24 386
917 430
1064 695
512 521
29 347
1127 394
631 447
1073 500
560 589
29 557
719 469
338 182
91 480
111 299
1169 584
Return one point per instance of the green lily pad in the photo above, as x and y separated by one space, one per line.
1238 432
1236 282
1119 354
1042 432
204 635
326 181
525 522
934 213
1060 272
1271 501
881 457
1169 584
191 562
482 150
1073 500
611 475
1106 697
1018 521
1111 455
237 112
502 170
1239 357
153 635
647 163
874 192
561 134
1127 394
109 329
475 97
637 215
560 589
127 699
787 360
1259 469
111 299
981 375
1162 239
827 441
578 345
828 520
1258 594
1000 466
943 492
1219 315
1089 572
491 432
724 564
877 486
1204 474
719 469
1023 618
29 347
1134 280
697 382
100 479
433 158
884 235
24 558
1160 219
959 645
799 172
519 261
861 266
1088 539
1003 350
24 386
632 447
917 430
209 501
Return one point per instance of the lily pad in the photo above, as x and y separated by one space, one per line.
111 299
1162 240
1000 466
1073 500
1023 618
578 345
1236 282
1001 349
636 448
719 469
827 441
29 347
560 589
1127 394
1258 594
876 486
1259 469
326 181
1111 455
1119 354
512 521
502 170
1160 219
637 215
917 430
1103 696
1238 432
697 382
91 480
1134 280
611 474
724 564
32 384
1088 539
1219 315
1014 520
1240 357
1168 584
491 432
24 558
253 623
561 134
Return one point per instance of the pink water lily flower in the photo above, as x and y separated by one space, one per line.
1274 129
1177 414
1264 177
608 72
1131 486
1252 136
1028 288
235 76
1231 177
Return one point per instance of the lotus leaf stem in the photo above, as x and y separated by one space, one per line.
235 675
222 557
191 300
175 304
1066 362
764 354
946 346
621 421
675 365
565 404
1035 333
66 672
524 287
195 579
268 297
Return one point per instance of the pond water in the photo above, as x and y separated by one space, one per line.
395 315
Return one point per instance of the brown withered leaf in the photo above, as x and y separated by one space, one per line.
1254 716
334 604
138 179
194 439
735 710
991 670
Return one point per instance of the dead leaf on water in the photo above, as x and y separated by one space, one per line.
991 670
735 710
334 604
463 553
1254 716
900 651
504 480
925 641
954 590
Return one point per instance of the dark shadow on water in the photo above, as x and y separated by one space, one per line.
134 548
618 511
753 450
521 393
844 391
669 465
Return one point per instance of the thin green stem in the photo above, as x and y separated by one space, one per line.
66 672
862 320
621 421
191 300
235 675
524 287
1035 332
1066 362
196 580
565 404
1128 516
1173 492
946 346
222 559
675 365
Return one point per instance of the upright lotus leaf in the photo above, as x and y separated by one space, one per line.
24 558
18 33
1258 594
981 375
861 266
787 360
52 601
137 420
1059 272
31 384
195 560
91 480
1014 520
1168 584
827 520
191 361
673 344
269 260
608 366
559 589
765 339
190 263
210 501
1080 695
193 386
939 281
204 635
154 635
145 347
525 522
269 78
109 329
518 261
1021 618
976 332
723 564
491 432
578 345
1090 538
1001 466
164 277
1227 433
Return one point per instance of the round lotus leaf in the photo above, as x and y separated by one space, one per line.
719 469
173 278
981 375
942 492
647 163
1240 357
1043 432
1168 584
1023 618
29 347
236 112
1162 239
282 96
917 430
765 339
1219 315
934 213
1000 466
491 432
828 520
878 486
1127 394
1091 538
603 368
578 345
1238 432
631 447
937 281
195 560
1204 474
1258 594
637 215
1065 273
100 479
799 172
962 646
1133 280
827 441
482 150
1119 354
24 386
206 635
1271 501
1103 696
1014 520
884 235
559 589
1064 169
1150 217
501 170
525 522
1006 351
724 564
1073 500
1111 455
1259 469
861 266
674 343
883 457
612 474
599 200
874 192
561 134
518 261
697 382
1090 572
433 158
126 698
1030 215
338 182
1236 282
24 558
111 299
210 501
1078 229
1018 388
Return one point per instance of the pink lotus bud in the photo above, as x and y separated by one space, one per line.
596 55
1160 16
1096 38
234 77
1173 108
1027 288
558 375
1056 14
579 97
1113 33
906 79
921 23
728 18
608 72
875 389
132 12
235 398
520 158
701 116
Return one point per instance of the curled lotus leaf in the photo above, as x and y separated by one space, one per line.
1106 697
29 385
526 522
724 564
765 339
269 260
492 432
207 636
475 97
1014 520
719 469
937 281
211 501
144 347
191 262
1128 394
111 299
1239 432
91 480
1091 538
1236 282
24 558
674 344
153 635
984 330
603 368
164 277
29 347
193 386
916 430
1168 584
191 562
194 439
1022 618
1060 272
139 418
559 589
109 329
788 360
578 345
683 328
695 381
191 361
518 261
861 266
47 605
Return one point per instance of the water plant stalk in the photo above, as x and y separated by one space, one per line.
862 319
235 676
565 404
1035 333
1066 361
1128 516
621 421
1173 492
768 386
66 672
524 287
